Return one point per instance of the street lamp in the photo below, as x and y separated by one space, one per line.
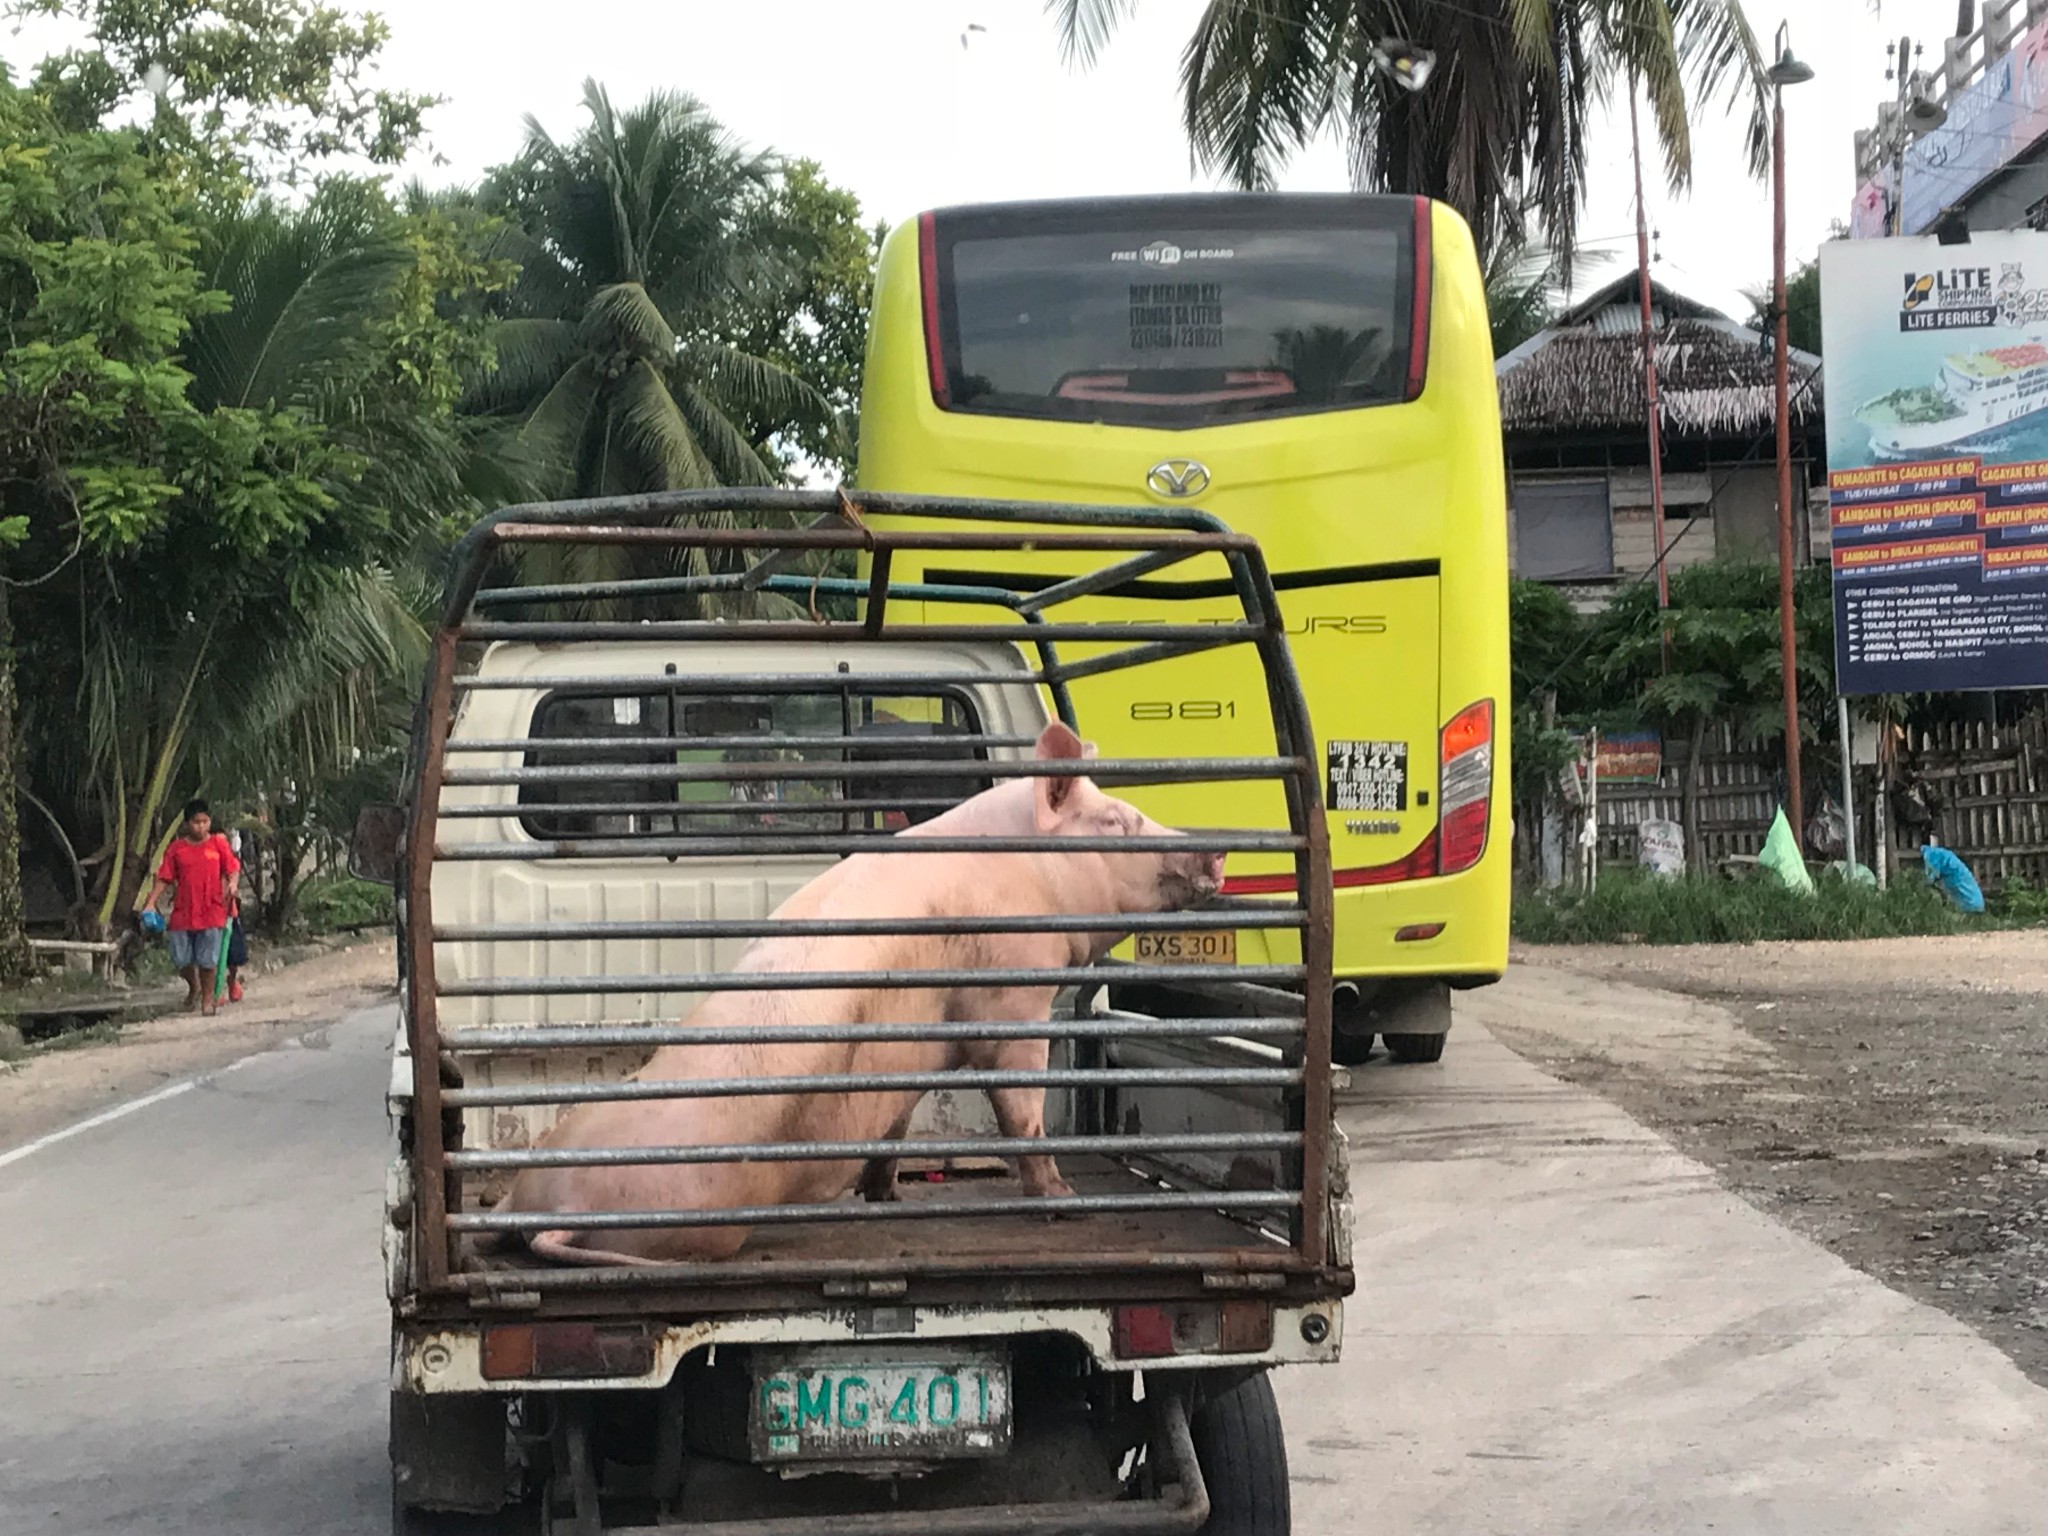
1786 71
1407 64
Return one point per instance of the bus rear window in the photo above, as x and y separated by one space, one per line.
1175 312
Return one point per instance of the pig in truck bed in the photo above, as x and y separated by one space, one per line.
655 1027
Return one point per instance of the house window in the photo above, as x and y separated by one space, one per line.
1563 530
675 729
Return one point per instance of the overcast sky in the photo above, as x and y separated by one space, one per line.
885 96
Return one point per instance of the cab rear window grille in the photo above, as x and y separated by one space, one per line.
851 723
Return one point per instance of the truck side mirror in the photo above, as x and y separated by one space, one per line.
373 848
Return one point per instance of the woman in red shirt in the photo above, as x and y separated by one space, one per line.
200 869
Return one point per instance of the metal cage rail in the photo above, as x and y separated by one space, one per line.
1250 1033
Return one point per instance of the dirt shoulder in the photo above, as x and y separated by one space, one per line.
1887 1098
52 1088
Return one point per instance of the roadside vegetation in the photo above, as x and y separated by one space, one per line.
251 389
1635 907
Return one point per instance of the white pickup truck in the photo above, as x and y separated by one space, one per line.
603 811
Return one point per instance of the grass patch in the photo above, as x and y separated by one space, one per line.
2019 904
105 1033
1632 907
336 906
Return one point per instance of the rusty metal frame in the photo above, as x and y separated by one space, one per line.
1147 540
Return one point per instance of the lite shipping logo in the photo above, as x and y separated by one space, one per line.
1959 298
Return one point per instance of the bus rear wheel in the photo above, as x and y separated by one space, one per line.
1351 1048
1415 1050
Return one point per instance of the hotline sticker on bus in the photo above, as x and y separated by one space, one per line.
1367 776
1166 316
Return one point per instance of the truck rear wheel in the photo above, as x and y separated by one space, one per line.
1243 1456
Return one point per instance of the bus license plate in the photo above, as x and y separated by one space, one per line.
1203 946
847 1403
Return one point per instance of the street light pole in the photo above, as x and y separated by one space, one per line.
1650 412
1786 71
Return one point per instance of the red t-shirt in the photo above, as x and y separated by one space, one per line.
197 869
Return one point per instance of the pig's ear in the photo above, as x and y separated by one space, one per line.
1058 740
1056 743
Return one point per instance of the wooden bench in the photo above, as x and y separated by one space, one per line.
96 955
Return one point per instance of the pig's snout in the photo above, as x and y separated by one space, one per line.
1192 877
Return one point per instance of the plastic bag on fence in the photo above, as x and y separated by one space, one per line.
1953 876
1827 830
1660 847
1855 874
1782 858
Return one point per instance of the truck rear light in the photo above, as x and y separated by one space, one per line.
1194 1328
548 1351
1465 788
1414 933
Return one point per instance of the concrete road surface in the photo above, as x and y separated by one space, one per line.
1563 1327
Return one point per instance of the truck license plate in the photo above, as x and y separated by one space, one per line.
855 1403
1202 946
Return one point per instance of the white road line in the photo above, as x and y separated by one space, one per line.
120 1111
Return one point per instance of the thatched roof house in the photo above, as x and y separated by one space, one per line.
1572 411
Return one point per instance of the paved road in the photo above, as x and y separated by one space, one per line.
1566 1327
193 1328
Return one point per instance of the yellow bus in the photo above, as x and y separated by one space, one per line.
1313 370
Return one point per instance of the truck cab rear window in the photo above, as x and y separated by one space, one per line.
1175 312
713 758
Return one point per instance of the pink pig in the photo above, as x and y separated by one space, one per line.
1084 881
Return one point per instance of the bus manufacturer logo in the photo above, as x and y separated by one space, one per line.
1177 478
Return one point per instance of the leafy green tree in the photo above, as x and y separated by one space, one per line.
1802 307
814 320
242 88
1499 131
220 432
1547 641
101 450
1726 663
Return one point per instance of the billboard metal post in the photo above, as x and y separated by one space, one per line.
1848 782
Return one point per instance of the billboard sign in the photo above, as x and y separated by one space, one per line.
1937 419
2000 116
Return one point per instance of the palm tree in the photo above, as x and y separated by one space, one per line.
1499 131
637 252
1526 288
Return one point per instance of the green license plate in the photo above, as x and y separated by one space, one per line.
878 1403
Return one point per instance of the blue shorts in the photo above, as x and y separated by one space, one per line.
195 946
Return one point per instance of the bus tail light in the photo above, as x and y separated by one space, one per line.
928 283
1418 325
1465 793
